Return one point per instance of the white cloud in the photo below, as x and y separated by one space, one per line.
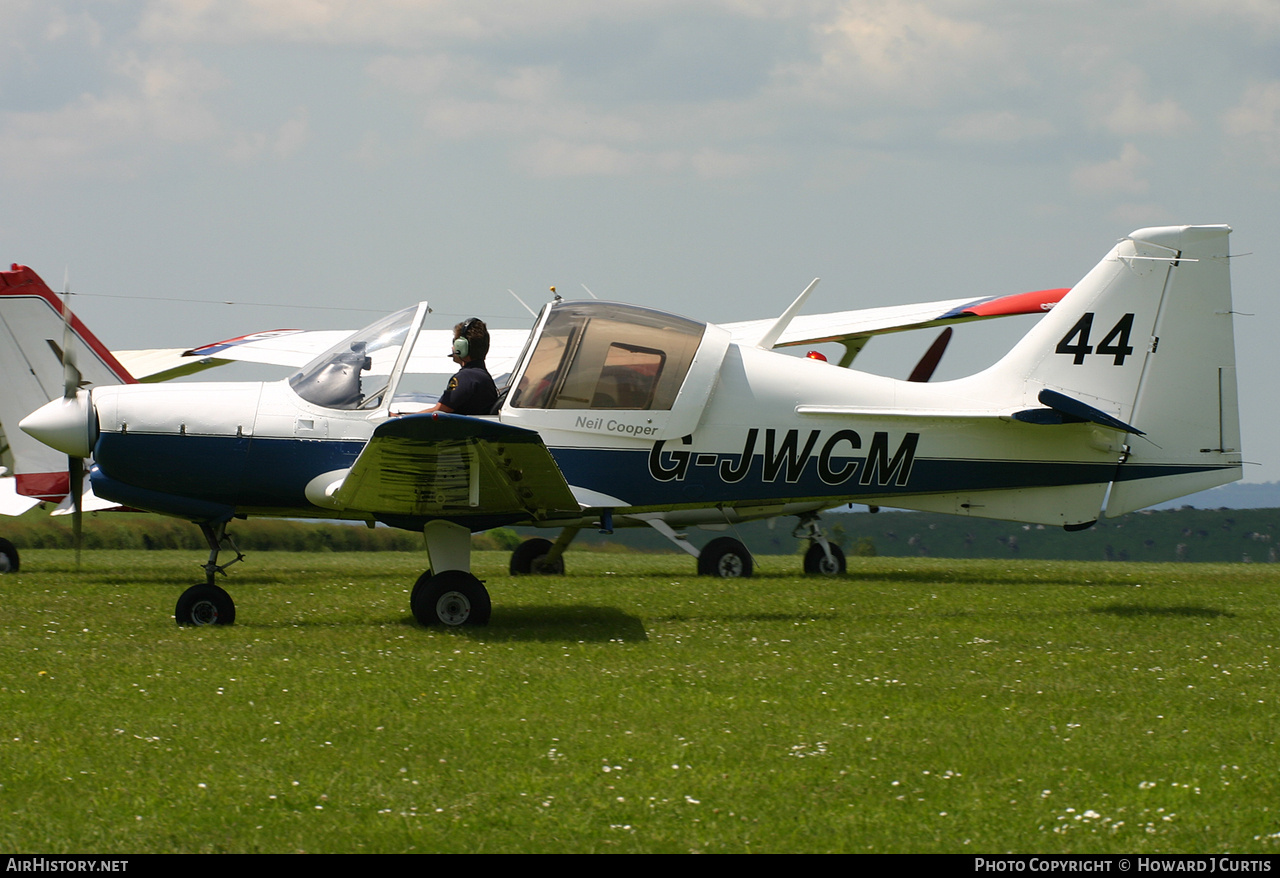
1133 215
1261 17
1118 175
171 92
997 126
549 157
1132 117
424 74
714 163
892 50
152 102
388 23
284 143
1254 123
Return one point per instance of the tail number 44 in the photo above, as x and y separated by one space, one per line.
1115 343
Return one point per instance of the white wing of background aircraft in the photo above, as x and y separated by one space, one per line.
294 348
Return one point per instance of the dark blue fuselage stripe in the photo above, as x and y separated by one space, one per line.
237 471
629 478
260 473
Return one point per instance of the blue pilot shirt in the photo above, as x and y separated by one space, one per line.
471 391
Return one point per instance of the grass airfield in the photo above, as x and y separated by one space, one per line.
917 705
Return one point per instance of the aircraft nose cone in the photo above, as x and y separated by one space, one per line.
68 425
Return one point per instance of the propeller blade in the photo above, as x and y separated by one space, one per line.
70 374
924 369
70 387
75 471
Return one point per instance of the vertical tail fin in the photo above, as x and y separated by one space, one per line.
1186 402
33 330
1144 345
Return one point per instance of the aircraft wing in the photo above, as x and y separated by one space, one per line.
294 348
291 348
454 467
854 328
11 502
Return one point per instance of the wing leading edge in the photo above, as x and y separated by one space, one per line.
854 328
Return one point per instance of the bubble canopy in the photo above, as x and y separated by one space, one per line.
355 373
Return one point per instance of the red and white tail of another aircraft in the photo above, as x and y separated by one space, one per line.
29 309
34 473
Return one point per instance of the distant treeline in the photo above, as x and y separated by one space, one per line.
1187 534
120 530
1204 535
1208 535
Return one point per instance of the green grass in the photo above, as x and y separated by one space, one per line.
916 705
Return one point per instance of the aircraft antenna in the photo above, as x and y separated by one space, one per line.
521 301
770 338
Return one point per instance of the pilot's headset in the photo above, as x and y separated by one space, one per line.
462 344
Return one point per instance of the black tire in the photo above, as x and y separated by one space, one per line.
452 598
725 558
205 604
8 557
816 561
528 559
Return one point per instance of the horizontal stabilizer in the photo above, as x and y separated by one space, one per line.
1062 409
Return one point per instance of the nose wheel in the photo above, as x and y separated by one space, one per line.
205 604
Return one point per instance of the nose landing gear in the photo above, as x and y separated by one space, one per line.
206 603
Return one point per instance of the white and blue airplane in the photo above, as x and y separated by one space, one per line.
1121 396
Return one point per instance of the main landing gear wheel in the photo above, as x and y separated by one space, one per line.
816 560
451 598
530 558
726 558
8 557
205 604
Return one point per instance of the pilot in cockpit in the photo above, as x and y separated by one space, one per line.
471 390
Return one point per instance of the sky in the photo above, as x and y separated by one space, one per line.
199 169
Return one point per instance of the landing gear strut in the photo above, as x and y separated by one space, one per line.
542 557
723 557
206 603
823 558
453 596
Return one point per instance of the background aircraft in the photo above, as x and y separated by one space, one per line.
1124 395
